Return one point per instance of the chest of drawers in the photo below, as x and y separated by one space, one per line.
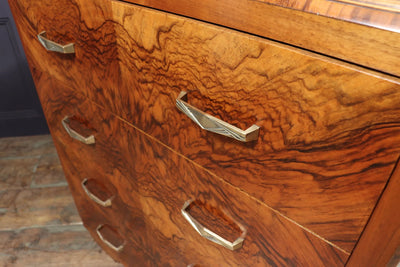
294 160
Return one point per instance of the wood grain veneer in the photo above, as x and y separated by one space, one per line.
373 48
322 124
328 129
383 14
325 127
78 165
154 182
364 45
84 23
381 237
391 5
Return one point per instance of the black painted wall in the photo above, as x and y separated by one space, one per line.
20 110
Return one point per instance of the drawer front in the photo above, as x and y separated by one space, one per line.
165 181
154 182
329 133
121 220
76 22
98 200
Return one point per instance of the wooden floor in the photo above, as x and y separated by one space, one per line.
39 224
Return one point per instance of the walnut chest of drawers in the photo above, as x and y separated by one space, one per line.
224 133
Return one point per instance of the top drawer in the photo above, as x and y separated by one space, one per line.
329 132
78 22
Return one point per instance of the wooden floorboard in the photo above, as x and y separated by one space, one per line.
51 246
21 208
39 223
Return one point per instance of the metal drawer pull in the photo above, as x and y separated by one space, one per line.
206 233
105 241
215 125
86 140
105 203
52 46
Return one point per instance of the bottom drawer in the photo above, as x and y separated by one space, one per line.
103 213
59 101
152 183
163 181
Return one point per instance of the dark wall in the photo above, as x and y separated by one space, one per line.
20 111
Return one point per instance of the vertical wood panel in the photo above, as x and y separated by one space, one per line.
381 236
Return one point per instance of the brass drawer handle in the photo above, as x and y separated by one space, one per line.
86 140
106 203
53 46
108 243
215 125
206 233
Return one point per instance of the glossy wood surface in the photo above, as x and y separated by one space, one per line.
374 48
391 5
364 45
353 117
382 14
325 128
322 124
77 166
81 22
154 182
381 237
